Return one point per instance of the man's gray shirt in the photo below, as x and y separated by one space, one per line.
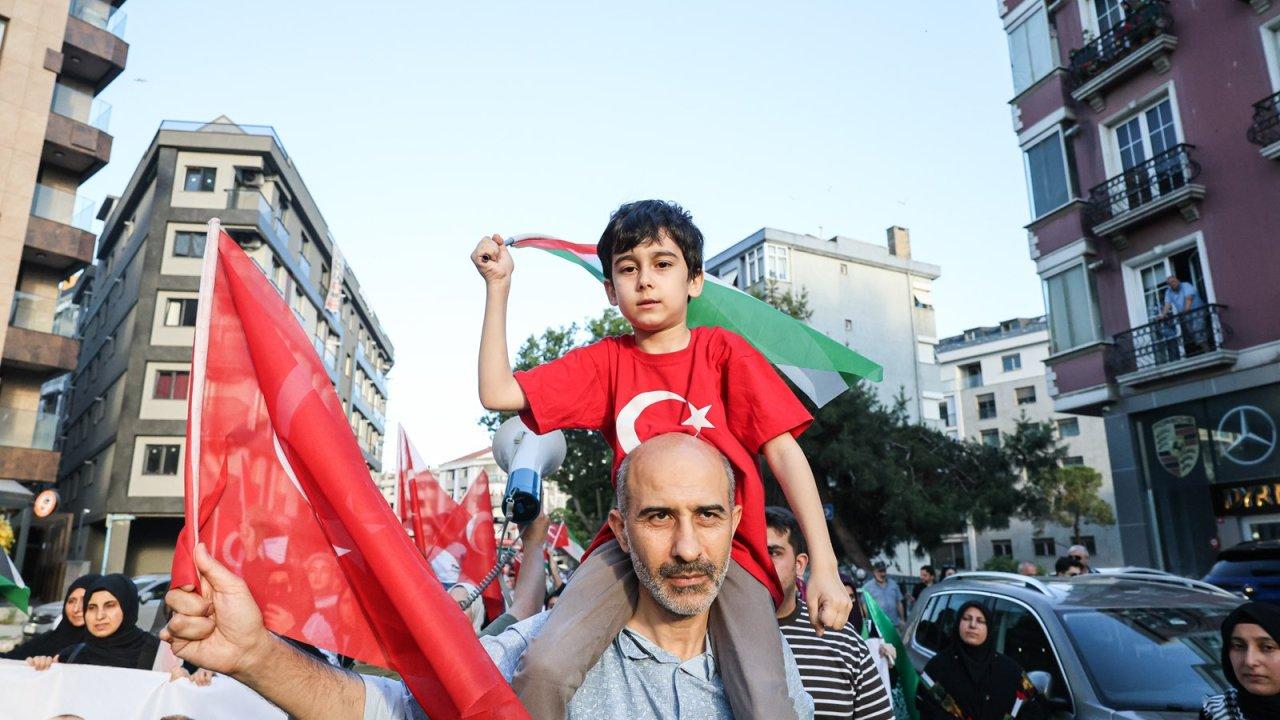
888 597
634 680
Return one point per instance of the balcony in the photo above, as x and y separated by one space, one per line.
93 47
1187 342
1146 190
58 231
1265 129
75 146
1142 37
81 107
27 442
42 334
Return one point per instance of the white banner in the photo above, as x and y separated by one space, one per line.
93 692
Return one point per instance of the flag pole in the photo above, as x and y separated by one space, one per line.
199 356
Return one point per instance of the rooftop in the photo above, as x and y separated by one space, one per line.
837 246
991 333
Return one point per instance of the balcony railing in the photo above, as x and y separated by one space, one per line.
1142 184
1265 129
62 207
100 14
28 428
1147 20
81 106
42 314
1169 340
253 199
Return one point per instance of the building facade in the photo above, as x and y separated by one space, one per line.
874 299
991 378
122 460
55 58
1151 136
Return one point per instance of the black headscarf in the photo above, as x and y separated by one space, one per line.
981 681
64 634
129 646
1266 616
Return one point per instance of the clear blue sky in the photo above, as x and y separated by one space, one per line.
421 126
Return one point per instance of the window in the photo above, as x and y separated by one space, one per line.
180 312
1109 14
1185 265
755 265
1047 175
1020 636
844 269
200 179
1089 544
160 459
972 374
778 262
938 620
991 438
1002 548
304 258
1072 460
1068 427
1045 547
1069 299
848 325
98 409
188 244
171 385
1011 362
1144 137
944 413
1030 50
346 366
1026 395
986 406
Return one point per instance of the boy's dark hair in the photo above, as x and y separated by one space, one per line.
1066 563
644 220
783 520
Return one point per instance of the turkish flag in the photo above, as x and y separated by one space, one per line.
278 491
427 506
466 542
558 539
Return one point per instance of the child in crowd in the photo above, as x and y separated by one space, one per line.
664 377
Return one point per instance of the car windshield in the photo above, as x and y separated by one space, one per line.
1179 651
1255 568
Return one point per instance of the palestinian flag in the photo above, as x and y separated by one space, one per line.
820 367
908 678
11 586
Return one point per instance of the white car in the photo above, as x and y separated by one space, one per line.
151 590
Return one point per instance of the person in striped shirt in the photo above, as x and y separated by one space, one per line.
836 667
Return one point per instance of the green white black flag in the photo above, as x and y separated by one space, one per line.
12 588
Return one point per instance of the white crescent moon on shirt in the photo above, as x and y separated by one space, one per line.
625 426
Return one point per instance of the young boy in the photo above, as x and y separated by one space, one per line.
665 377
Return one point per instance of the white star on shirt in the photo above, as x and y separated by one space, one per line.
698 418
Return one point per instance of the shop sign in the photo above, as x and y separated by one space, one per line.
1251 498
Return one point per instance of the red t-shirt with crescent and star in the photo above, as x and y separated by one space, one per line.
718 388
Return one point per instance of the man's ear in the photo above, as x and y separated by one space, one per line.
736 517
619 532
695 285
802 563
611 293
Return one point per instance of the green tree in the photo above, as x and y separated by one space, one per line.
791 302
1034 450
1077 500
584 476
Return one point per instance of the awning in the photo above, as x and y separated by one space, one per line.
14 495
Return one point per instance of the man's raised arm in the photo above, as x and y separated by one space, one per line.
221 629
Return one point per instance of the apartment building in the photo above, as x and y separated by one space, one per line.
122 460
874 299
992 377
55 59
456 475
1151 136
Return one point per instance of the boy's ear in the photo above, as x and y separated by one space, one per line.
611 293
695 285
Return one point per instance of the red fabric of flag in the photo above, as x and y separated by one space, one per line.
278 490
466 542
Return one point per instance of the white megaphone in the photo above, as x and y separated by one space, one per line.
526 457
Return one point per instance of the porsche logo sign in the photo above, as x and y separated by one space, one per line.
1177 440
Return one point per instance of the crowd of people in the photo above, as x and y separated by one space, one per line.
695 600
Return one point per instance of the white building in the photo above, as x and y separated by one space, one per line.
456 475
874 299
386 483
992 376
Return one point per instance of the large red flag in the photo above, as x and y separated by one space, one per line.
278 491
427 505
466 542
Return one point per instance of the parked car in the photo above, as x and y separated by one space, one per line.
1251 569
1137 646
151 590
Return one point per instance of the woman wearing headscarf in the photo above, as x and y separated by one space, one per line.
115 640
69 630
969 680
1251 664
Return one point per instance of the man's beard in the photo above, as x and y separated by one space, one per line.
685 601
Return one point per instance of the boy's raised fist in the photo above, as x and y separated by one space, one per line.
493 260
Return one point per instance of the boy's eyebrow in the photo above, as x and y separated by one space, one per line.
628 255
